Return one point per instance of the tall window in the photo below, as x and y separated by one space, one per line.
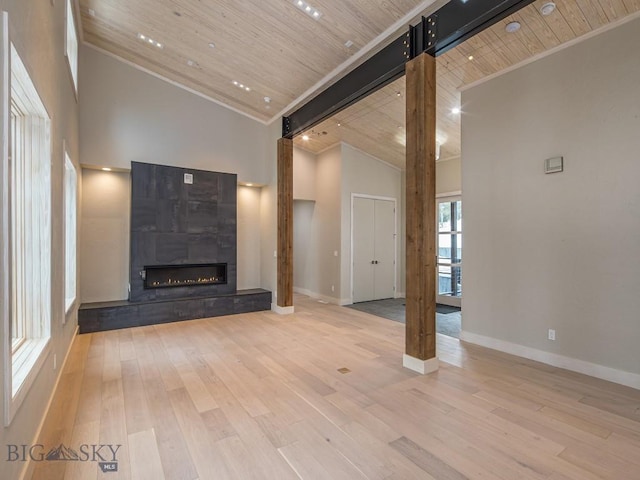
71 44
70 235
29 222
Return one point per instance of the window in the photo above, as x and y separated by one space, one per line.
70 229
449 251
26 214
71 45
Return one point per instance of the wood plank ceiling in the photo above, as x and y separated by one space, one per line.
276 50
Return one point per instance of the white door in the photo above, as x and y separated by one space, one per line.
449 282
373 249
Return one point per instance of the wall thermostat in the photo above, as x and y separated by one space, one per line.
553 165
188 178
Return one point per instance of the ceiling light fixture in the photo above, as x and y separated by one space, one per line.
348 44
305 138
512 27
455 110
249 184
106 169
470 57
308 9
212 45
547 8
267 99
241 86
149 40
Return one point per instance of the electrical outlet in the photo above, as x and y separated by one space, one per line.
552 334
335 253
333 288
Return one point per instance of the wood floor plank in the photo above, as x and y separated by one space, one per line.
259 396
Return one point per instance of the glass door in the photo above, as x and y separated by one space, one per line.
449 265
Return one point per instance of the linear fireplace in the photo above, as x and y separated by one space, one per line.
168 276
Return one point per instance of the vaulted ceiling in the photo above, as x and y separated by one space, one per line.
276 50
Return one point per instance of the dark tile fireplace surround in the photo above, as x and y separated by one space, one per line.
183 252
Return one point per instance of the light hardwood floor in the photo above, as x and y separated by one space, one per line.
259 396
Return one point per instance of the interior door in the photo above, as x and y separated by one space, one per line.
449 282
373 249
384 249
363 249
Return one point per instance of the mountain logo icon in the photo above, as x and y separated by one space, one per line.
62 453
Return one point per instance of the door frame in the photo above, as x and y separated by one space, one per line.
395 240
444 299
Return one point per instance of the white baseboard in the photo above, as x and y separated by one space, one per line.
27 471
324 298
580 366
282 310
423 367
400 295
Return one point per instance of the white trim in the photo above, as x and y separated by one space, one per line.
423 367
457 193
401 295
551 51
447 159
27 471
5 314
580 366
395 239
174 83
282 310
70 9
351 61
325 298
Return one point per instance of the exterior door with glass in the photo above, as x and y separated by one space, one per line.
449 282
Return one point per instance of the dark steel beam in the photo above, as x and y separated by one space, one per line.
380 70
451 25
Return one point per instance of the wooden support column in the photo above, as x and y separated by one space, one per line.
420 342
285 225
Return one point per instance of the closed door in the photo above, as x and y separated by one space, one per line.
373 249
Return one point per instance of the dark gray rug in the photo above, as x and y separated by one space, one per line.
447 318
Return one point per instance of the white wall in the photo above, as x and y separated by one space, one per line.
128 115
304 174
365 174
449 176
557 251
37 31
104 245
248 237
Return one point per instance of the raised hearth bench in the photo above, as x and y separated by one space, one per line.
101 316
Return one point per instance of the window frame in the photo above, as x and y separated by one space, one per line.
71 44
70 169
23 358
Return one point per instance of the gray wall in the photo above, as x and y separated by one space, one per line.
557 251
129 115
37 31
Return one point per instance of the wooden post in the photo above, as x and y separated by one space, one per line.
421 215
285 223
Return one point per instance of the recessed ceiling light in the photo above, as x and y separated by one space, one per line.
249 184
241 85
455 110
470 57
339 124
190 63
106 169
348 44
398 94
212 45
235 83
308 9
267 99
247 89
512 27
92 12
305 137
149 40
547 8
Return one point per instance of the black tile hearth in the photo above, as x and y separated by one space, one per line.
98 317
